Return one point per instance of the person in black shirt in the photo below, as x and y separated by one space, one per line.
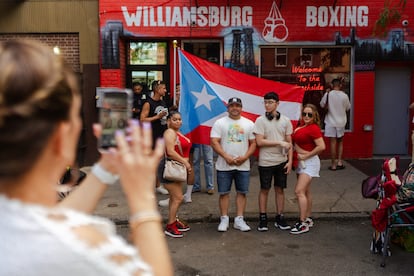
139 99
155 111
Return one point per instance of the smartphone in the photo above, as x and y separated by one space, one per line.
114 114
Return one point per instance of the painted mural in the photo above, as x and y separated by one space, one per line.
307 43
245 27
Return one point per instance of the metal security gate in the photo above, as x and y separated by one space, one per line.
391 118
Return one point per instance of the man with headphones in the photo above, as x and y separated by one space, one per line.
273 137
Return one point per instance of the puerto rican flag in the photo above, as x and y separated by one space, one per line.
206 87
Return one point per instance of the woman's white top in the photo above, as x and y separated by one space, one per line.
35 240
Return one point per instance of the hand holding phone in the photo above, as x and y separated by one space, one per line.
114 114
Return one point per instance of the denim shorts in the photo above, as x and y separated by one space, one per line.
225 180
278 173
312 167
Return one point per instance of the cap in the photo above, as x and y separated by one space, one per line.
234 100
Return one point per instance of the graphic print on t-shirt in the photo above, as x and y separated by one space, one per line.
235 134
159 109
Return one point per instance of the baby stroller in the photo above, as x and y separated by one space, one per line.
395 206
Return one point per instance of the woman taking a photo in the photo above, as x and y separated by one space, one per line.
177 147
40 124
308 143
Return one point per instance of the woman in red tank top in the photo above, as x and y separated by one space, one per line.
177 147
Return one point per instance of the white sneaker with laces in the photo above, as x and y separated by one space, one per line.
164 202
299 228
224 224
240 224
161 190
309 222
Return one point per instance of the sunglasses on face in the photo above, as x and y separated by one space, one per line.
309 114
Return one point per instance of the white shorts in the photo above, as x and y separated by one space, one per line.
312 166
337 132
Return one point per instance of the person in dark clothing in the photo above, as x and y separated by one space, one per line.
139 99
155 111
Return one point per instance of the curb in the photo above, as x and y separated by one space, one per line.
348 216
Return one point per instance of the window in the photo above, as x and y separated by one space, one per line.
147 53
312 68
306 57
208 50
147 61
281 57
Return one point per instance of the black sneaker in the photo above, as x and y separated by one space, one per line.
281 223
299 228
262 225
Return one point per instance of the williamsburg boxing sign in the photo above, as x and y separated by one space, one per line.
271 21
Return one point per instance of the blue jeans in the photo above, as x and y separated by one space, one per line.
207 152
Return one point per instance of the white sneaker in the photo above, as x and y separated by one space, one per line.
299 228
161 190
164 202
224 224
309 222
187 199
240 224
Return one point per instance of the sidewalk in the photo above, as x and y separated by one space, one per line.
335 194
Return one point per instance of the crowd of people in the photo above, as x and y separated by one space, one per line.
39 128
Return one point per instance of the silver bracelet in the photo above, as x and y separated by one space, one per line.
103 175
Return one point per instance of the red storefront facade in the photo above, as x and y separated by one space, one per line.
302 42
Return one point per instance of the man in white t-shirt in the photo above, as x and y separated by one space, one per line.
233 140
273 135
335 121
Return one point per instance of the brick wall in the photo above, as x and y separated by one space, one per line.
68 44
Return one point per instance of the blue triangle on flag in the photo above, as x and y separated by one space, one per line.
198 101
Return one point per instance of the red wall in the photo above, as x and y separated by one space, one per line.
358 143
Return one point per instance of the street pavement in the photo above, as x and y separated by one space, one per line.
338 244
335 194
334 246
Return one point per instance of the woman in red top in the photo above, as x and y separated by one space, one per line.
308 142
173 141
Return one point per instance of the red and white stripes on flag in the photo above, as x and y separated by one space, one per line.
224 83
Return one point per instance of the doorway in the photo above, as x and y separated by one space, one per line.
147 61
391 118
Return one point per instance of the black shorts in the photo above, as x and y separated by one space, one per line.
278 173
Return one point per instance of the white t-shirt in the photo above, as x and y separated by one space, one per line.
36 240
274 130
338 104
234 138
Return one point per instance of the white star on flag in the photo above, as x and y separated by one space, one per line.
203 98
217 85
